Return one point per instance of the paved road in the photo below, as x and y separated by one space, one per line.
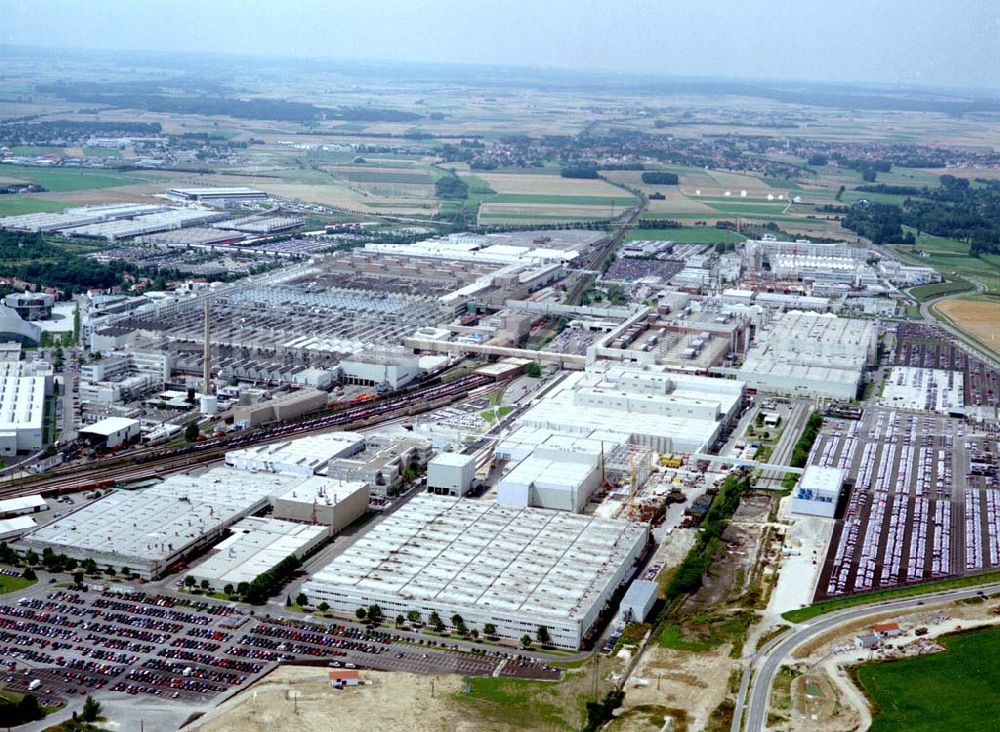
763 666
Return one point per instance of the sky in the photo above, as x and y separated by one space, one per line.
948 43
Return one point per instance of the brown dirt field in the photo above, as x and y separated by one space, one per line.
978 318
817 706
390 702
695 682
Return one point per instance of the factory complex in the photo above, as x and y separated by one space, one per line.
811 355
515 568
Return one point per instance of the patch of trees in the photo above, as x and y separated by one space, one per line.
579 170
268 583
20 245
660 224
61 129
800 453
27 709
660 178
817 160
689 575
622 166
892 190
879 222
451 187
602 712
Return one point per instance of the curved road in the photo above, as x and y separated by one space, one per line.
758 677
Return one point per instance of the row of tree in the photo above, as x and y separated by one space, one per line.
373 614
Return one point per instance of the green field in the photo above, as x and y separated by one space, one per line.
60 180
951 690
691 235
13 584
16 205
384 176
937 289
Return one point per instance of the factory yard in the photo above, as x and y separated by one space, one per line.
923 505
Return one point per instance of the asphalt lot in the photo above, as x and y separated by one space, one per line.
192 651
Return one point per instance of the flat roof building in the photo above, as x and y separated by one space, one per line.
516 568
112 432
236 193
648 405
255 546
818 491
638 601
151 529
333 504
302 456
22 505
811 355
451 473
23 391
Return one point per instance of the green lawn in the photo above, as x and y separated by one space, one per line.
501 412
13 584
59 180
517 703
14 205
937 289
951 690
690 235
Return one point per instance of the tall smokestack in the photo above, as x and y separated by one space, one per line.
207 357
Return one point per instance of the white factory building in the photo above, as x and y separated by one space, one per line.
818 491
559 477
301 456
559 442
515 568
334 504
653 407
113 432
255 546
22 505
23 391
152 529
811 355
451 473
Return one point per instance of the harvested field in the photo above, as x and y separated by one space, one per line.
548 185
979 318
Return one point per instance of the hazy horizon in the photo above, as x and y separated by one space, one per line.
896 43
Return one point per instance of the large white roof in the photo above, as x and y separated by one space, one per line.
485 556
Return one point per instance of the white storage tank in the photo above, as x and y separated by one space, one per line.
209 405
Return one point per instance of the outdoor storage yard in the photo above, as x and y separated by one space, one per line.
924 502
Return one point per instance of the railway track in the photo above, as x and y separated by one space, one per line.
150 462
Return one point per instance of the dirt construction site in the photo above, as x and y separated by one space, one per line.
300 699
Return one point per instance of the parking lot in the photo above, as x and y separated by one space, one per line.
923 503
62 643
